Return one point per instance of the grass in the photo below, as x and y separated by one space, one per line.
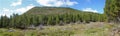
92 29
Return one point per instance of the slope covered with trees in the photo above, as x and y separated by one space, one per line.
50 16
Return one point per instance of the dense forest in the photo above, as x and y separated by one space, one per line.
50 16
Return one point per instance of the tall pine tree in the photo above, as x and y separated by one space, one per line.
112 10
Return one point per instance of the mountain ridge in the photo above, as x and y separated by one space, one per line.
52 10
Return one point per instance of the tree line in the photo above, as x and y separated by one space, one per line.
23 21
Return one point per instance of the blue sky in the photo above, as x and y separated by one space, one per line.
8 7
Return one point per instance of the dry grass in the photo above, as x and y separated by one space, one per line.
91 29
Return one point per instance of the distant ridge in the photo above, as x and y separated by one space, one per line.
51 10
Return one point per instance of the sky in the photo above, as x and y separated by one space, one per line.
8 7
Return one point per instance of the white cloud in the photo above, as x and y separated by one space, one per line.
6 12
90 10
24 9
19 2
9 12
0 14
56 3
68 2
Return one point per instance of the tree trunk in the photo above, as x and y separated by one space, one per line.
118 19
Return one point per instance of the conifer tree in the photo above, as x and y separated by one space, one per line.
112 10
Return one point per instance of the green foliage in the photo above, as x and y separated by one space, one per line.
112 10
4 21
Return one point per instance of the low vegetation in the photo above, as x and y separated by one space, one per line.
92 29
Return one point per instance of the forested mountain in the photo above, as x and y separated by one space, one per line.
50 16
51 10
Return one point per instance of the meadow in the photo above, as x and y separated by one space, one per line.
74 29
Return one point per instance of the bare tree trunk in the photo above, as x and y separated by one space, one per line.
118 19
118 16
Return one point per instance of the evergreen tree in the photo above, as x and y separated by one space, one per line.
57 19
4 21
112 10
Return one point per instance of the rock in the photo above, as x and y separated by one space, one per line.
115 32
31 27
40 27
10 30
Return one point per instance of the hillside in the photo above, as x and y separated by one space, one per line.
52 10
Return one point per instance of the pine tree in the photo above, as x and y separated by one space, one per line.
57 19
49 21
4 21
